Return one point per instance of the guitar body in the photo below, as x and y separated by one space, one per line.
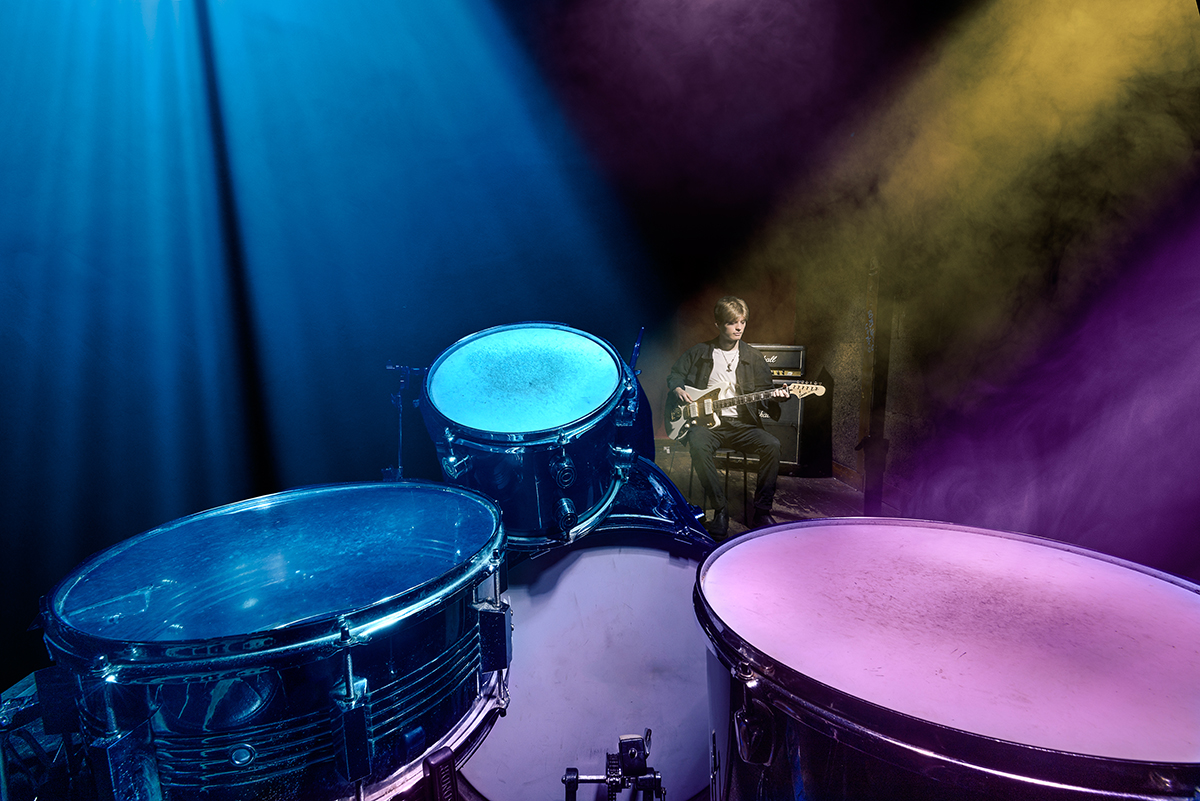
680 418
706 405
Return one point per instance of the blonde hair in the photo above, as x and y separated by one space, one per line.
730 309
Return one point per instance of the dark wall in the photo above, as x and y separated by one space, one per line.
220 222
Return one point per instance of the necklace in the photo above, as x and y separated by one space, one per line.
729 358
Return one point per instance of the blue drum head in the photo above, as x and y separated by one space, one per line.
524 378
280 561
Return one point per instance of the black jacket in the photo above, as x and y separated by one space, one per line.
694 367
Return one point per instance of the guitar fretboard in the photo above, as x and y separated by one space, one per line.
753 397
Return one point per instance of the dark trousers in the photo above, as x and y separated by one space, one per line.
749 439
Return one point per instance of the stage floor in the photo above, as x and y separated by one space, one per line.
795 498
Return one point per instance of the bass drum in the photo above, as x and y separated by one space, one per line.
891 659
540 418
605 644
319 643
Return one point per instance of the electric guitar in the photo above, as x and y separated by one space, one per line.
705 408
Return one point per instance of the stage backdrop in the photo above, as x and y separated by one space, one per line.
218 224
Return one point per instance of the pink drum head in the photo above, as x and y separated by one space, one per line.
999 635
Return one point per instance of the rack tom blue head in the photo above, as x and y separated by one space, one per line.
529 414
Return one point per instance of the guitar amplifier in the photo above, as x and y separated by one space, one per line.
785 361
787 365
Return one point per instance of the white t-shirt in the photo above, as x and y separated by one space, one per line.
724 376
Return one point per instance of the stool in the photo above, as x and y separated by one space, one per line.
729 457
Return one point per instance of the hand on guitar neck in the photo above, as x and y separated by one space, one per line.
703 407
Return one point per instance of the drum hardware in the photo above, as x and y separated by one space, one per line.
354 755
714 767
650 499
624 770
628 410
562 468
627 581
495 631
753 724
637 349
623 460
441 775
453 465
567 517
407 375
123 765
754 729
40 756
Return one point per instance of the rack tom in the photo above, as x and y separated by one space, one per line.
529 414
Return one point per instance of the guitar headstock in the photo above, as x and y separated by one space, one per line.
804 388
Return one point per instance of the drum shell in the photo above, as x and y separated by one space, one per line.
603 645
520 470
520 479
779 732
270 714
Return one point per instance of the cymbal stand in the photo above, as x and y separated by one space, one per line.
408 375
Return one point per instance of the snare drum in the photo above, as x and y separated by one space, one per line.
528 415
893 659
315 644
604 644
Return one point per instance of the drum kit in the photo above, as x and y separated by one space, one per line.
487 636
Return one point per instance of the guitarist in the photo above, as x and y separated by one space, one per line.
730 363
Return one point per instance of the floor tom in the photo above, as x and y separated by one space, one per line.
892 659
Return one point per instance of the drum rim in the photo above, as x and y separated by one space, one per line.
939 524
463 738
537 436
882 731
318 634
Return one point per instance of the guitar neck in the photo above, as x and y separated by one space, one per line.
737 400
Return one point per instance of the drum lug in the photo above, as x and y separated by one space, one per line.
563 470
495 635
565 515
627 410
453 465
354 758
753 724
754 729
